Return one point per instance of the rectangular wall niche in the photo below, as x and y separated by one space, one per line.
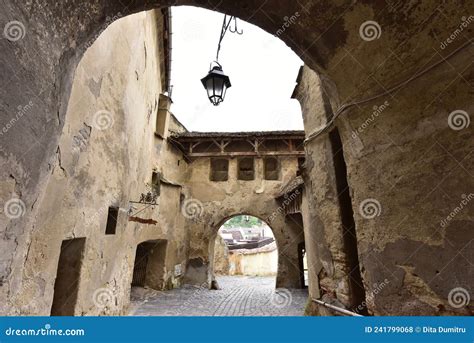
156 182
246 169
271 168
67 277
112 218
219 169
301 161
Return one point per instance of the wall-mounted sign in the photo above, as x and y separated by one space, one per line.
178 270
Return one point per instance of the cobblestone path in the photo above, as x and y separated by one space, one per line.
238 296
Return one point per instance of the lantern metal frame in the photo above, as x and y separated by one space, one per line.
215 93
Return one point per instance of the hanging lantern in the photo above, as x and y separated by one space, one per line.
216 84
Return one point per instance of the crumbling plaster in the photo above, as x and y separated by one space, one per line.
105 157
412 166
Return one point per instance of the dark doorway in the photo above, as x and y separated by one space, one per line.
67 277
347 217
149 267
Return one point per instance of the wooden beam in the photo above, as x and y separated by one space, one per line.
246 153
243 139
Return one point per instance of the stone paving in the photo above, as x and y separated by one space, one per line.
238 296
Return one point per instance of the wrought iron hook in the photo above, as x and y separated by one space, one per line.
235 29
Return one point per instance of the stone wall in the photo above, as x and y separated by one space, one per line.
217 202
221 257
106 155
403 172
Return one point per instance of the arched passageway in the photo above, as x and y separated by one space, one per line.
407 161
246 245
243 267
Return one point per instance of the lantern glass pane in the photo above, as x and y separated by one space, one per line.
218 86
210 87
223 93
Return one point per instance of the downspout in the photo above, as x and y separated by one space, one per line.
170 49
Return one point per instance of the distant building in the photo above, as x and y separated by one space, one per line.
247 238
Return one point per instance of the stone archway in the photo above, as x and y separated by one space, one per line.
288 273
287 237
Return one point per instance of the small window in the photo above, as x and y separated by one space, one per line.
219 169
112 218
246 169
271 168
156 182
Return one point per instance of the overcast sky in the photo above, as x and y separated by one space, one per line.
262 70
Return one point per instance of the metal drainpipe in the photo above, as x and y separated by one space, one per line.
170 51
337 309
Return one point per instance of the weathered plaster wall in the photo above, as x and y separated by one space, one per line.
256 262
404 166
219 201
322 217
221 256
106 156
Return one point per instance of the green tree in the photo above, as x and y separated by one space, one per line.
243 221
